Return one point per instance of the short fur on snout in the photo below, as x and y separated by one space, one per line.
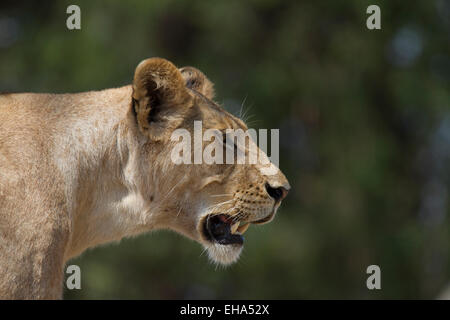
79 170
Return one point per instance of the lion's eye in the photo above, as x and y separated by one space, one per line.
226 150
226 138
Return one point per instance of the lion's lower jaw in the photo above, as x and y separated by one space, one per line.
224 254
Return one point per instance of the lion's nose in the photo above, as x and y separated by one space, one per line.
278 193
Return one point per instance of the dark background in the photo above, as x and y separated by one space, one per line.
364 125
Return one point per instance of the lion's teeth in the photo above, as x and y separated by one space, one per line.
243 228
234 227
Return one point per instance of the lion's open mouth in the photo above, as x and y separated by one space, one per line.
220 228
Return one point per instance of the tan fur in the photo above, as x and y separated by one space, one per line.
79 170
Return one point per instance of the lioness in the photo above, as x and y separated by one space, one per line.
78 170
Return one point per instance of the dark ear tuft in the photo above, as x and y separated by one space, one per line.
196 80
160 98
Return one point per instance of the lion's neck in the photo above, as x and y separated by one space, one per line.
98 162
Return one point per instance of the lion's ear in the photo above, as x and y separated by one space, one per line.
196 80
160 97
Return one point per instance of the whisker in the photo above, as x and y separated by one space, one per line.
219 204
203 251
236 216
242 106
220 195
179 211
246 113
171 190
252 123
231 209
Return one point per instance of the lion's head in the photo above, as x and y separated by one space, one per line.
212 203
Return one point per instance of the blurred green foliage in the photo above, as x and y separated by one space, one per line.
365 135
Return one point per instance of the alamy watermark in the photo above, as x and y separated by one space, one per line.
231 146
73 22
74 280
374 280
374 20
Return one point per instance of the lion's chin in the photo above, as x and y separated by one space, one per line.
224 254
